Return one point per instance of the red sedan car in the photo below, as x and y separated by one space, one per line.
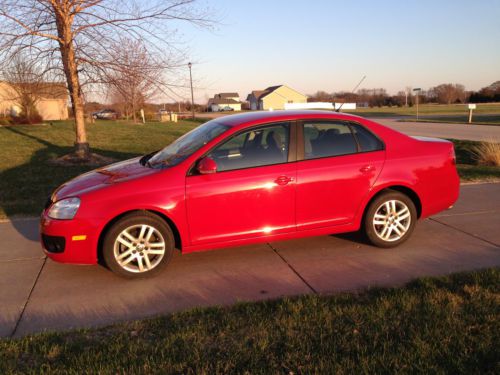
249 178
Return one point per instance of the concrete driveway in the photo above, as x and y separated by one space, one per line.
37 294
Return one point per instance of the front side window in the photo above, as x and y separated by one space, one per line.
186 145
326 138
253 148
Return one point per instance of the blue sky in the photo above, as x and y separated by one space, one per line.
329 45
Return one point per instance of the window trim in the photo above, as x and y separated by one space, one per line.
292 145
348 123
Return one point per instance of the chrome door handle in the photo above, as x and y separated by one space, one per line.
283 180
367 169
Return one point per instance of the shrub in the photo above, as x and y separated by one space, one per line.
5 120
33 119
487 153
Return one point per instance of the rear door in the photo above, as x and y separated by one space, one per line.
341 162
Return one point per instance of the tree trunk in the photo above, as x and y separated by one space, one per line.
67 48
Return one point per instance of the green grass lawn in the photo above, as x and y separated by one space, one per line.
482 119
446 325
26 178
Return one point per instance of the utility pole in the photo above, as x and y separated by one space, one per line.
192 94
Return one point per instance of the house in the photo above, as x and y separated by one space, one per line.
226 101
52 103
274 97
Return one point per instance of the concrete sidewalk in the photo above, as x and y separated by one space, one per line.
37 294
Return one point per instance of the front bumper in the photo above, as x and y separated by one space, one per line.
69 241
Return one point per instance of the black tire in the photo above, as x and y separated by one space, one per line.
139 218
370 229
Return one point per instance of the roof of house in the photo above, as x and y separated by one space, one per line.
259 94
228 95
48 90
224 101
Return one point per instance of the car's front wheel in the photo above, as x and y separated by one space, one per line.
390 219
137 245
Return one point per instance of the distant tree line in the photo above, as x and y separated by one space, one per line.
446 93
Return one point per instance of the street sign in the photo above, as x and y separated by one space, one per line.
472 106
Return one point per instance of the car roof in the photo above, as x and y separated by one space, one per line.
264 116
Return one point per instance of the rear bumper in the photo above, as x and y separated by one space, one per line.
69 241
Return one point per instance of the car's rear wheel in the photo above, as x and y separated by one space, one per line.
390 219
139 244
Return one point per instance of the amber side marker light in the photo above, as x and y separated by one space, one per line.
81 237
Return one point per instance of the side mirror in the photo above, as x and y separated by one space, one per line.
207 165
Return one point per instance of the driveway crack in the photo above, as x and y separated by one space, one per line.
464 232
292 268
28 299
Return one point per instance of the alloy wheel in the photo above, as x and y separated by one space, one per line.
139 248
392 220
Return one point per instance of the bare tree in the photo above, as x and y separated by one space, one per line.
75 36
448 93
25 86
137 77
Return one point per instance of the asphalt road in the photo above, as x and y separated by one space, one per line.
454 131
439 130
37 294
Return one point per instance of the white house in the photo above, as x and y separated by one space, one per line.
225 101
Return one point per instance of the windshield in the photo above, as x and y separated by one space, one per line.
184 146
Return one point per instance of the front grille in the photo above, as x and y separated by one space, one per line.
54 244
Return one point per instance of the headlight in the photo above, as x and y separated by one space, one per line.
65 209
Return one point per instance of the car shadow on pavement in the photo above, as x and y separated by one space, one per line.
356 237
26 188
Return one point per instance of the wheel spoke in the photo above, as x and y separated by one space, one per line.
128 260
139 263
382 234
403 217
401 226
403 211
129 236
124 242
124 254
379 222
150 233
393 206
142 232
395 229
387 208
155 252
148 263
379 216
156 245
389 232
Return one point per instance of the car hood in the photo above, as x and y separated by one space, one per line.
103 177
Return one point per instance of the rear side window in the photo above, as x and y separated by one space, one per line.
367 141
323 139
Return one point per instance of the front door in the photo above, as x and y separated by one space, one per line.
252 194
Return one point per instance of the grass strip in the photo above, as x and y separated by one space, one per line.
432 325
